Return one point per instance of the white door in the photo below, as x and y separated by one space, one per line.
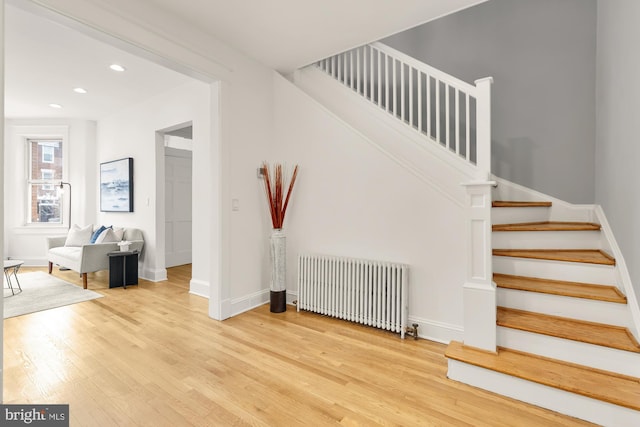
178 170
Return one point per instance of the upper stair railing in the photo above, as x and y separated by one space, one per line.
445 109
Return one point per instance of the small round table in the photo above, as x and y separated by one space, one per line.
11 267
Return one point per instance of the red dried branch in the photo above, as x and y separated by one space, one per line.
286 201
275 193
278 198
267 185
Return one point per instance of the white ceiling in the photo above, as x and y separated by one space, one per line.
289 34
45 60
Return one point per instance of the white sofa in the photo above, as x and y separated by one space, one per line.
89 257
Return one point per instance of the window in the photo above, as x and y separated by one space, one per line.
48 154
48 175
44 176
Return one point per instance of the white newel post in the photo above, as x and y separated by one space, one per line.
479 289
483 128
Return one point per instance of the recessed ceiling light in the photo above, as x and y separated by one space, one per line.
80 90
117 67
55 105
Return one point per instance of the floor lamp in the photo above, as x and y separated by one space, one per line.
62 184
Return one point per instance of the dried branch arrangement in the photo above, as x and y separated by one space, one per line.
274 187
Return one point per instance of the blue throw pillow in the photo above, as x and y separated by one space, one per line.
95 235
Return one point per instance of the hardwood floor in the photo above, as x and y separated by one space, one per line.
150 356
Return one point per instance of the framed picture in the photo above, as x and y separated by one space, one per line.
116 185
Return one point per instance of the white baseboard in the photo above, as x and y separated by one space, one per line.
31 262
292 298
234 306
200 288
437 331
427 329
154 275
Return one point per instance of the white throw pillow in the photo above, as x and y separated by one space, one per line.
79 236
119 233
107 236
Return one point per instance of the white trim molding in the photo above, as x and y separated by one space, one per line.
200 288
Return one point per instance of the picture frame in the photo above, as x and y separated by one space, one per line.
116 185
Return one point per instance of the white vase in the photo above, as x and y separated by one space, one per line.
278 249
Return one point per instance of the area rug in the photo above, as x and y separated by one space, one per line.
42 291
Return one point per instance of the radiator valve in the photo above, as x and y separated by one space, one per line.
412 331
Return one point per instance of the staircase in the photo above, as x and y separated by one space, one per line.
564 329
564 332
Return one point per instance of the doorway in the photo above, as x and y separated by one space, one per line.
178 168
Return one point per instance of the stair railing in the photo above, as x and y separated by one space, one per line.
447 110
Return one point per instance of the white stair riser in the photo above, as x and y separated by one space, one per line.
556 270
518 215
546 239
595 356
574 308
564 402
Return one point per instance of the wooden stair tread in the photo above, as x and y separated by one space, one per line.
593 383
577 330
548 226
589 256
559 287
517 204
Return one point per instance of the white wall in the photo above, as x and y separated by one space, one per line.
541 55
617 148
132 133
352 200
28 242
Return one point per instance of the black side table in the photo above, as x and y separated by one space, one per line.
123 268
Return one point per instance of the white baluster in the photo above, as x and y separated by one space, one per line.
351 76
467 131
457 120
402 94
387 77
411 96
358 78
379 78
345 66
372 55
365 72
437 82
420 98
447 116
428 83
395 88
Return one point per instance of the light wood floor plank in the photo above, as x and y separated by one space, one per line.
150 355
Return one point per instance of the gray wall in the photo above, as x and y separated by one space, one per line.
617 144
542 56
